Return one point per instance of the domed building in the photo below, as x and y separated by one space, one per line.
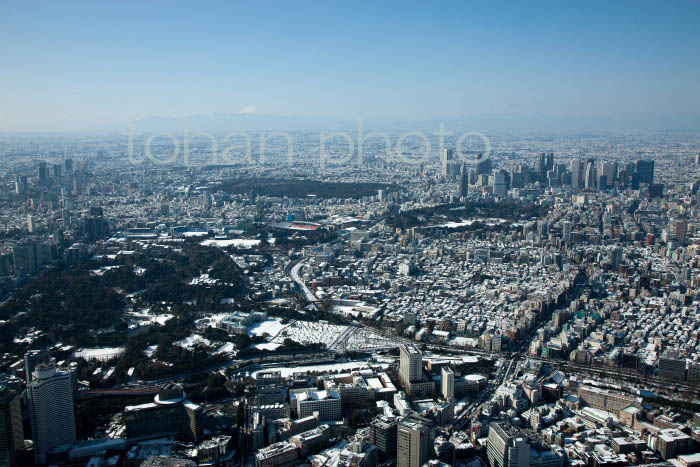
170 413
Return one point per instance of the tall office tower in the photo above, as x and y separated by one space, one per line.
447 383
500 183
50 397
446 158
32 359
76 187
31 226
25 258
11 431
550 161
464 182
616 257
672 366
20 184
602 182
679 229
382 433
5 264
483 165
43 173
57 171
589 175
609 169
411 364
542 167
413 443
577 167
66 218
507 447
68 163
645 169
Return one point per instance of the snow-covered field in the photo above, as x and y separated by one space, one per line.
266 346
237 242
271 327
191 341
103 353
144 317
310 332
286 372
103 269
203 279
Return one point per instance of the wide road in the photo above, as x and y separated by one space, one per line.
294 274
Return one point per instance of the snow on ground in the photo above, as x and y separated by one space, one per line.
150 350
466 222
103 269
310 332
195 233
226 348
237 242
211 320
287 372
102 353
144 317
464 341
266 346
347 310
270 326
203 279
190 342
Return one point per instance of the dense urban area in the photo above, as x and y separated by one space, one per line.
489 300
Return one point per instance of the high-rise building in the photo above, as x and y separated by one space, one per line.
507 447
679 229
31 224
446 158
550 161
616 257
464 182
609 169
68 163
411 373
411 364
483 165
672 366
500 183
11 431
20 184
447 383
413 443
25 258
382 433
577 169
589 175
542 167
32 359
43 174
645 170
566 231
50 396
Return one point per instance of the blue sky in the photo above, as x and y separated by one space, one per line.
66 65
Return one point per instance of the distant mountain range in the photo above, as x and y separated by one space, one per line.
503 124
490 123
